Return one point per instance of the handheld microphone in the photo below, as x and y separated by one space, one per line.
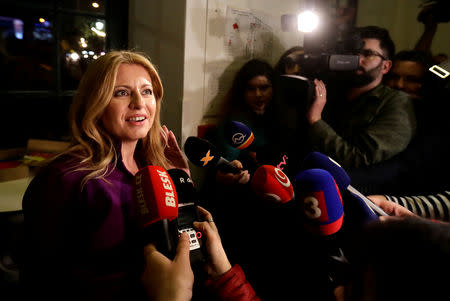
271 184
324 214
238 134
204 154
319 160
187 213
321 201
156 204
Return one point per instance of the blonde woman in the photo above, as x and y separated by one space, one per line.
80 240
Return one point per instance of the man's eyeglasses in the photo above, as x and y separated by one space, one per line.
370 54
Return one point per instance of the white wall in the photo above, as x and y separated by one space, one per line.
209 68
185 40
400 18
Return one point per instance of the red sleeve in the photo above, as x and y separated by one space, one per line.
233 286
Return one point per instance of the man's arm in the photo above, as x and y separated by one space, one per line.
390 125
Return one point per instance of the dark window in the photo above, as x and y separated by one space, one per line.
45 47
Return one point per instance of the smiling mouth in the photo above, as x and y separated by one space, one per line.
136 119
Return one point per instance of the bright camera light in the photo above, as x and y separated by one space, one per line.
307 21
99 25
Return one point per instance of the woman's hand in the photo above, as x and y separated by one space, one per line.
164 279
217 261
172 151
314 112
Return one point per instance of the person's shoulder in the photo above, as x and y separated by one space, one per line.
58 179
387 95
65 167
389 92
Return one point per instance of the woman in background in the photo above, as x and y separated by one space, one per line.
248 101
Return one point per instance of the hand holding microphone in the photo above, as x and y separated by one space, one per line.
319 160
163 213
204 154
241 137
230 179
187 214
164 279
393 209
217 262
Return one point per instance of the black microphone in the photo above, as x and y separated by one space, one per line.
204 154
187 214
240 136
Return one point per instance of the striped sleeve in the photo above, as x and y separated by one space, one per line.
436 206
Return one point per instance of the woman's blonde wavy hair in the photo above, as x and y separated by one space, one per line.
90 141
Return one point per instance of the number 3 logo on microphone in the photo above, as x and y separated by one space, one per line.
311 207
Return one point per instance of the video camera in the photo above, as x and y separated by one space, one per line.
326 56
326 52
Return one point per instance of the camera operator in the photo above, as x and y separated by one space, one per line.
412 175
366 122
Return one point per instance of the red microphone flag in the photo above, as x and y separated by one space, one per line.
155 195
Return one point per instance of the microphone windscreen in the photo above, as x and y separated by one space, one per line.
201 152
183 185
270 183
357 210
319 160
155 195
321 201
238 134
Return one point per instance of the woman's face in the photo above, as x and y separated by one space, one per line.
258 94
131 110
